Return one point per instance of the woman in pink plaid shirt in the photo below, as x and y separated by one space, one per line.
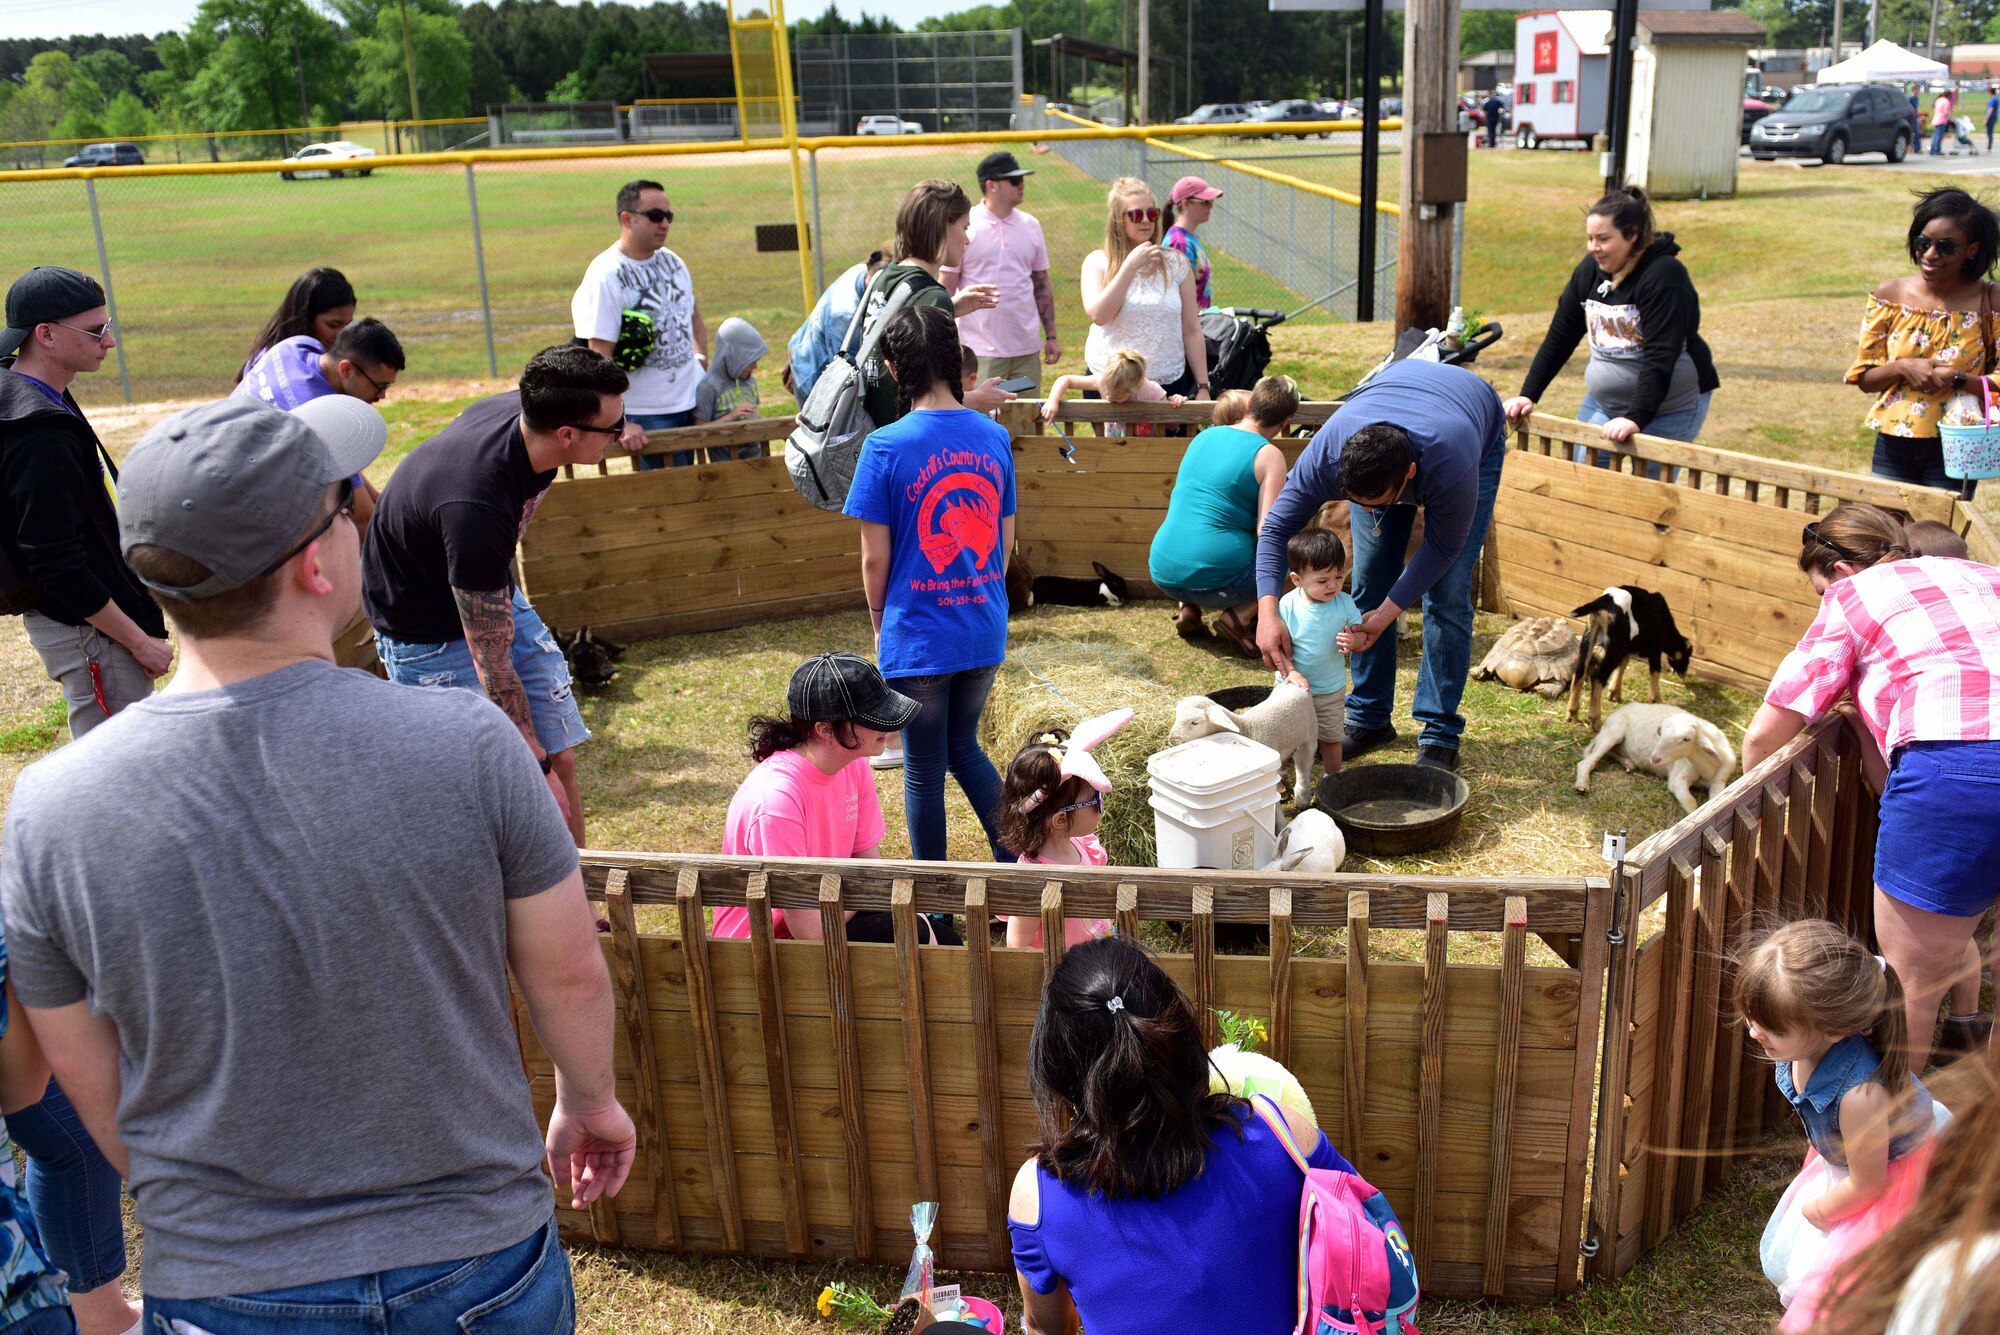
1916 641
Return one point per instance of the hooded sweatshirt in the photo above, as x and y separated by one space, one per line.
56 517
738 347
1647 358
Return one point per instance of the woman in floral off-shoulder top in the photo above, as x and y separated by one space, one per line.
1929 335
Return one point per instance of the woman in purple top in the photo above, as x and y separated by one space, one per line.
1151 1204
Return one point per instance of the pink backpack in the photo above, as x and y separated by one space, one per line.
1356 1273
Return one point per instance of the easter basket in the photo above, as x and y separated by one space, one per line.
1973 450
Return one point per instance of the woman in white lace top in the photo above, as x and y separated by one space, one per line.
1140 295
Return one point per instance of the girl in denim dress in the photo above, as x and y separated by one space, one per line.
1830 1015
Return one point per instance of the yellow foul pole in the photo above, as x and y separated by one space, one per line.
788 121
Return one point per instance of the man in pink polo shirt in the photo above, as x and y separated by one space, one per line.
1004 247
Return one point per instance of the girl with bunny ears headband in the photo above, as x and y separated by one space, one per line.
1051 803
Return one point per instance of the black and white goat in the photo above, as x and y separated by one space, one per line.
1624 623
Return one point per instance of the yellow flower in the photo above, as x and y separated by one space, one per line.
826 1301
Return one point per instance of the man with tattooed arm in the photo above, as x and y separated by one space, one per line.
437 571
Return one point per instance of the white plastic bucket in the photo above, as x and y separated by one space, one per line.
1215 803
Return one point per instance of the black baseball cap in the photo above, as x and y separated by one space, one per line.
44 295
1001 167
841 687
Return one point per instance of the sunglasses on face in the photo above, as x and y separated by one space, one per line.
617 428
655 216
1945 247
344 506
1095 800
1142 215
1812 534
97 335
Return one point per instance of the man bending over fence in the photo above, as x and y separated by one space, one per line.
438 575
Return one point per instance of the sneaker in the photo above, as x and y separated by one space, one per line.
1439 757
892 755
1357 742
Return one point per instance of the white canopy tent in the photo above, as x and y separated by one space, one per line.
1884 62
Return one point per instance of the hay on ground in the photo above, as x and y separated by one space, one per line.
1052 682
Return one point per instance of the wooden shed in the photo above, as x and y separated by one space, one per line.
1687 100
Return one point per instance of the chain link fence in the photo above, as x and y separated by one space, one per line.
384 137
473 265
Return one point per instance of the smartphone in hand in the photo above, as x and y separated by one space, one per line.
1020 384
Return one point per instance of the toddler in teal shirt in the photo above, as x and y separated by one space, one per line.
1316 610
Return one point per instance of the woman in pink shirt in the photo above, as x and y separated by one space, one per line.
1916 642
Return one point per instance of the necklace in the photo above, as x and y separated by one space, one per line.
1376 515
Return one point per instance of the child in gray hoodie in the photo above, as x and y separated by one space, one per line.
728 393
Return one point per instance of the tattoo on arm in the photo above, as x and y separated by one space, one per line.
1045 301
489 632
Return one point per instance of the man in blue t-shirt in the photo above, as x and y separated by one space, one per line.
1415 434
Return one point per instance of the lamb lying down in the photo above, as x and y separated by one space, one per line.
1665 740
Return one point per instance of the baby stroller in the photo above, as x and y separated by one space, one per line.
1432 346
1239 345
1961 133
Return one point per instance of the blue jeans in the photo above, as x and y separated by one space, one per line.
646 463
72 1191
538 661
1378 563
522 1290
1243 590
45 1321
945 736
1684 425
1937 139
1916 459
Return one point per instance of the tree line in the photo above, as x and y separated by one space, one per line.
261 64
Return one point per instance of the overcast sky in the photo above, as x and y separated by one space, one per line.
64 18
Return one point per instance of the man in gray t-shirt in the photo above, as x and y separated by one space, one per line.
262 924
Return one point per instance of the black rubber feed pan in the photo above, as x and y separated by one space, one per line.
1235 698
1389 810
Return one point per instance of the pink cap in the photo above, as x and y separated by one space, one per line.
1192 187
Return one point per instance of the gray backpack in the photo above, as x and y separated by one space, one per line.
825 445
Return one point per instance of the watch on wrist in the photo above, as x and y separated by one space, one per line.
547 762
1958 382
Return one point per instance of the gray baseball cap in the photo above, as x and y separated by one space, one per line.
46 294
232 484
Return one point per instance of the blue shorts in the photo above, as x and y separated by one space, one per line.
1242 590
1939 849
543 670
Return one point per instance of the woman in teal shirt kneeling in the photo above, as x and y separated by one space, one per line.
1205 552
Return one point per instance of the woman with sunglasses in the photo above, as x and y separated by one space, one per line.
1141 295
1929 335
1912 640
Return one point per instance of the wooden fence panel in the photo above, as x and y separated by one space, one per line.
792 1085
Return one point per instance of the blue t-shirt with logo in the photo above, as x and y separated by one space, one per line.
941 481
287 374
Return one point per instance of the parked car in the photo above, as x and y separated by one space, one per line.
888 125
319 160
1392 106
1831 120
1291 109
1336 109
1214 113
1754 110
106 155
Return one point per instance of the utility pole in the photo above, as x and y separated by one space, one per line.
299 68
1430 138
1371 159
1625 31
1146 60
1188 32
1930 43
1347 66
410 61
1868 38
1839 14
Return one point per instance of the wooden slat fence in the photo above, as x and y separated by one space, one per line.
795 1097
1685 1091
1720 540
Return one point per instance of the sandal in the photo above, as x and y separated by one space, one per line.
1245 636
1188 623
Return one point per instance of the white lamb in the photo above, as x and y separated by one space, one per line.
1663 739
1284 721
1311 843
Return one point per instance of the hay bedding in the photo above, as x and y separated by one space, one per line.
1050 681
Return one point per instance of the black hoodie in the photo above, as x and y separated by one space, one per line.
56 516
1646 353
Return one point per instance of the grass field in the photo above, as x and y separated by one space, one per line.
1783 269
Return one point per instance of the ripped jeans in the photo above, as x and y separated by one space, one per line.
538 661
